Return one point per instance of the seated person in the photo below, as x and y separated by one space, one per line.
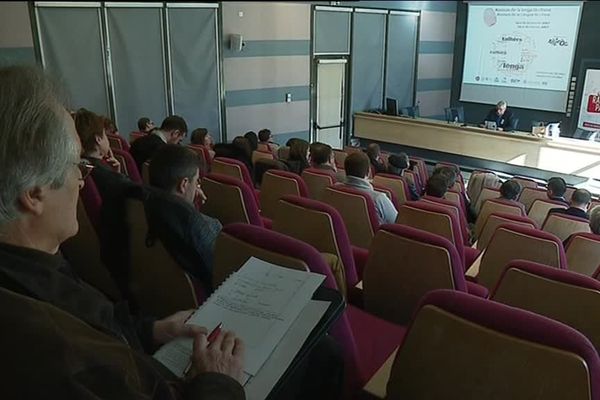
239 149
502 116
265 141
396 166
145 125
556 189
595 220
448 172
374 153
188 235
357 167
509 191
172 130
252 140
322 157
201 137
580 202
109 126
41 182
297 160
437 186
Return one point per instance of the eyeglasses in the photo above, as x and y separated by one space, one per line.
85 168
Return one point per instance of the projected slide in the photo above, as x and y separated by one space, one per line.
521 46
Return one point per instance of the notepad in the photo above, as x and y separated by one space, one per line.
258 302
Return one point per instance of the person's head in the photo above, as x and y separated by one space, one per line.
357 165
510 190
299 151
595 220
290 141
174 128
556 187
447 172
90 128
397 163
243 145
264 135
201 137
145 124
252 139
39 160
581 199
109 126
321 154
501 107
437 186
176 169
373 151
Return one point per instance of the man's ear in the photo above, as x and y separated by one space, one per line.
182 186
32 201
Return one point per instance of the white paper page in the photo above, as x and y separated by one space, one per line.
261 385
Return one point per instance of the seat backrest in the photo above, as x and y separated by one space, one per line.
455 197
92 202
564 225
413 178
257 155
569 193
494 220
458 212
231 167
477 182
204 155
397 184
340 157
229 200
357 209
540 207
392 290
529 195
146 173
128 166
135 135
263 165
276 184
321 226
511 242
421 168
160 287
564 296
583 253
433 218
317 181
389 193
492 206
486 193
479 349
525 182
117 142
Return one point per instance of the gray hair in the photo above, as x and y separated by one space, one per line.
502 103
595 220
35 147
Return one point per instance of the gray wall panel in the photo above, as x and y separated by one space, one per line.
401 58
332 32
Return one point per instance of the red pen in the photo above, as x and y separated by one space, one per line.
215 332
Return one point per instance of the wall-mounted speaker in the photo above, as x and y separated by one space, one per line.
236 42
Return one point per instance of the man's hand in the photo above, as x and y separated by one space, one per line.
112 161
174 326
224 355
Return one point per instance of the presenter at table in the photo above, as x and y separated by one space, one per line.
502 116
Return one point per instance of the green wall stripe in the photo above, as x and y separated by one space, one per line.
236 98
16 56
427 85
281 138
269 48
431 47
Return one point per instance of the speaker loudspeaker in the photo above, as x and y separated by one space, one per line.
236 42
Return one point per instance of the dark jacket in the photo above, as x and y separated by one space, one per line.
144 148
561 199
188 235
66 340
505 121
297 166
574 211
378 166
229 150
109 182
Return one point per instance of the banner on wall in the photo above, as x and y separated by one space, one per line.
589 113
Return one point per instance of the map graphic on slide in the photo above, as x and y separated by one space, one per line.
520 46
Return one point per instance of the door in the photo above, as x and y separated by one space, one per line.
330 101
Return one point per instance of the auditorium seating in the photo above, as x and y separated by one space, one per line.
389 193
257 155
397 184
494 220
486 193
529 195
583 253
456 210
317 180
456 198
234 168
540 207
512 242
204 155
92 202
413 178
404 264
463 347
340 157
569 193
492 206
420 167
276 184
358 211
117 142
564 296
525 182
128 166
135 135
564 225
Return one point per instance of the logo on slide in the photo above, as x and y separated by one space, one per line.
593 105
558 41
489 17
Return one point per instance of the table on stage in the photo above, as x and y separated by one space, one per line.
564 155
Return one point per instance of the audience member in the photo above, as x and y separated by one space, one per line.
145 125
374 153
437 186
265 141
357 170
238 149
252 140
448 172
298 158
510 190
322 157
201 137
397 164
556 189
86 346
187 234
109 126
580 202
172 130
595 220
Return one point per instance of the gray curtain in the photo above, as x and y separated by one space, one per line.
332 32
72 48
194 65
401 58
138 69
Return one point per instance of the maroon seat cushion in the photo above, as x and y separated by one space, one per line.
471 255
477 290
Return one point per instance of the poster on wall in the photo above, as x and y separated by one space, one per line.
589 113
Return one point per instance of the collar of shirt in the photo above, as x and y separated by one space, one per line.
358 182
160 134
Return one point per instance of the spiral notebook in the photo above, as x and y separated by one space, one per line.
259 302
